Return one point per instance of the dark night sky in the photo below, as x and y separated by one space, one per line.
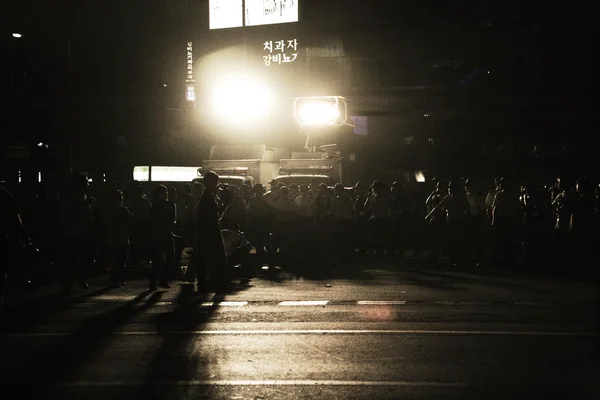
132 45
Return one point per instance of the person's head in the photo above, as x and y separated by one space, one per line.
211 180
498 181
303 190
396 188
186 189
314 184
338 189
172 193
116 198
377 187
359 188
322 188
234 226
160 194
258 189
226 194
440 186
293 187
285 192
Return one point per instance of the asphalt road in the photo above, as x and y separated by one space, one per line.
381 334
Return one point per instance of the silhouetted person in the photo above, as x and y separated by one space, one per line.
259 222
507 214
237 248
75 233
161 219
210 250
118 221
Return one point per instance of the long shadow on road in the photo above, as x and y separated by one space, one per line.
36 311
179 359
46 370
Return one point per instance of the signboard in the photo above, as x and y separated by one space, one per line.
190 82
230 13
279 52
225 14
267 12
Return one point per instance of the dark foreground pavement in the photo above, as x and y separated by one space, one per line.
382 334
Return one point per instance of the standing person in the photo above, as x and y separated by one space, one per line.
259 222
342 212
507 214
210 250
380 203
286 211
458 212
10 235
75 233
139 205
161 219
118 224
489 199
436 218
477 222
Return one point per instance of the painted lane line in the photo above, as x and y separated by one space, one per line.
194 382
381 303
464 303
305 303
320 332
224 304
115 298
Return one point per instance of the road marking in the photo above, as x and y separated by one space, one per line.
124 298
464 303
225 303
194 382
321 332
117 297
305 303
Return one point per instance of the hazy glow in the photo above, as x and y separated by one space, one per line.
240 99
318 113
419 176
17 35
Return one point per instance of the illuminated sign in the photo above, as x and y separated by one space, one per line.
230 13
190 87
225 14
189 65
280 51
190 93
141 174
267 12
164 174
174 174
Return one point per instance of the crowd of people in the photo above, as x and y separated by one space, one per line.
112 226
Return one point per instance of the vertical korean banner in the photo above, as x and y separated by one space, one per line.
190 82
